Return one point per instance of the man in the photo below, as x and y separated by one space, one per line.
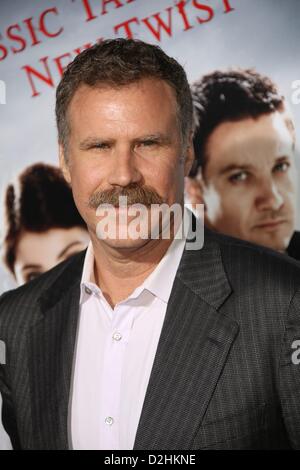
245 148
141 343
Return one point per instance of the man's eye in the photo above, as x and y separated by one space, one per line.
281 167
31 276
147 143
100 146
237 177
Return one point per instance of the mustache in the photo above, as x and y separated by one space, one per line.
135 194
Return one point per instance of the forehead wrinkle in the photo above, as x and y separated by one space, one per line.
130 107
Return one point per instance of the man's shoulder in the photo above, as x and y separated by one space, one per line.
20 306
249 260
293 249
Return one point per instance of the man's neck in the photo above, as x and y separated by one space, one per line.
118 272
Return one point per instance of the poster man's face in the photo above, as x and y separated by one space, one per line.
121 137
249 185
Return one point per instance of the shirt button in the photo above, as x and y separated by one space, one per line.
117 336
87 290
109 420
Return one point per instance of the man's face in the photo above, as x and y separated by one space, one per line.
121 138
249 181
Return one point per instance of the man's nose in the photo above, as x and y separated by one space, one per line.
269 197
124 170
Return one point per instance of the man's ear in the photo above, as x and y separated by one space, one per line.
64 166
189 155
194 189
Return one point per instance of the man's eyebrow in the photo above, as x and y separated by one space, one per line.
63 252
31 266
234 166
161 138
91 142
283 157
246 167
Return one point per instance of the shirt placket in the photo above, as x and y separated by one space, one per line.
113 365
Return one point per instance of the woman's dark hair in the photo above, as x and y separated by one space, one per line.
40 200
230 96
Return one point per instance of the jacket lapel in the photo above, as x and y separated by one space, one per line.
51 350
192 350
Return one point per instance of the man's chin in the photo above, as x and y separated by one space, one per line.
276 240
124 244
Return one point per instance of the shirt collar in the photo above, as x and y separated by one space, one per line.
159 282
88 277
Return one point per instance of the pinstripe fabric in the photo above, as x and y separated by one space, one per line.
222 377
36 378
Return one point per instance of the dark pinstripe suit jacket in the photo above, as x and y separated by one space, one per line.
222 378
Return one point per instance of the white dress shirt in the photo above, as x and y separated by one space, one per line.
5 443
114 355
